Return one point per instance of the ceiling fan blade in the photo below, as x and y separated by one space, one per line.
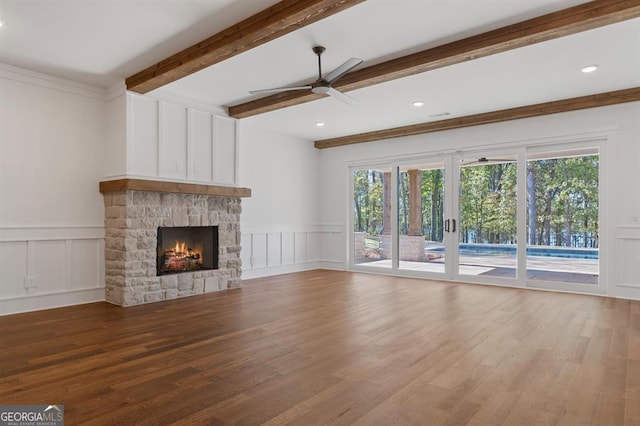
342 70
341 96
279 89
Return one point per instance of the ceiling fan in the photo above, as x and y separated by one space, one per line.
323 84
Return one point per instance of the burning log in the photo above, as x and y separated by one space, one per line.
181 258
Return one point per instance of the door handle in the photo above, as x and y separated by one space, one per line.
453 222
446 225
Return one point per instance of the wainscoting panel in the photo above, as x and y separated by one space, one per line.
258 250
289 249
13 264
50 267
171 141
300 243
627 260
274 249
86 262
47 266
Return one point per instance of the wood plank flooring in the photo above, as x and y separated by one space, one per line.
326 347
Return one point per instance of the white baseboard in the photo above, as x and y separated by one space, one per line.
279 270
39 302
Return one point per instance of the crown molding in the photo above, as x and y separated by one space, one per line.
34 78
162 95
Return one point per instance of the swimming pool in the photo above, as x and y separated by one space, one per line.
505 249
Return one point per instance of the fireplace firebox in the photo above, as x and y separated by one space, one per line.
187 249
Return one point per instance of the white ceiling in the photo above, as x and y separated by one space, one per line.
100 42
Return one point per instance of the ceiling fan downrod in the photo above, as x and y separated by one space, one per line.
319 50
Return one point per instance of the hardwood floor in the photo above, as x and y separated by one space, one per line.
326 347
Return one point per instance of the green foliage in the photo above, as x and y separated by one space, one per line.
368 201
566 201
562 202
488 203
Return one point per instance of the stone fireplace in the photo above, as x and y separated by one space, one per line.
135 210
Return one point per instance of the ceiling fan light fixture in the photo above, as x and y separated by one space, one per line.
323 90
589 69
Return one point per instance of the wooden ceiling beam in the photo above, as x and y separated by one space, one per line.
583 102
269 24
547 27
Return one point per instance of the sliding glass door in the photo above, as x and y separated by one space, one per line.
371 222
520 217
422 208
487 214
563 204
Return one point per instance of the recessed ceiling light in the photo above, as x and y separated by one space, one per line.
1 23
319 123
589 68
418 104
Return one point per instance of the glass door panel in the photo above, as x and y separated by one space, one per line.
487 217
562 216
421 213
527 217
372 217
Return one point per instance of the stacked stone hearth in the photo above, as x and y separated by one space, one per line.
132 219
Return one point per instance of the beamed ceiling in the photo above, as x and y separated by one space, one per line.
470 62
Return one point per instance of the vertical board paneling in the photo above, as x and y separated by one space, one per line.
629 262
173 141
85 269
274 255
63 263
224 150
144 136
259 250
288 248
301 247
314 249
13 268
287 251
49 266
338 247
200 146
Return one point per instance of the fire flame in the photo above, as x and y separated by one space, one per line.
180 247
181 258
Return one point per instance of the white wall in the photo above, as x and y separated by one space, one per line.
620 122
58 139
281 231
51 213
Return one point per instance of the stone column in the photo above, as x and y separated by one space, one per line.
415 203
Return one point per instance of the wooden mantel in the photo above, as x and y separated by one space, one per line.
172 187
